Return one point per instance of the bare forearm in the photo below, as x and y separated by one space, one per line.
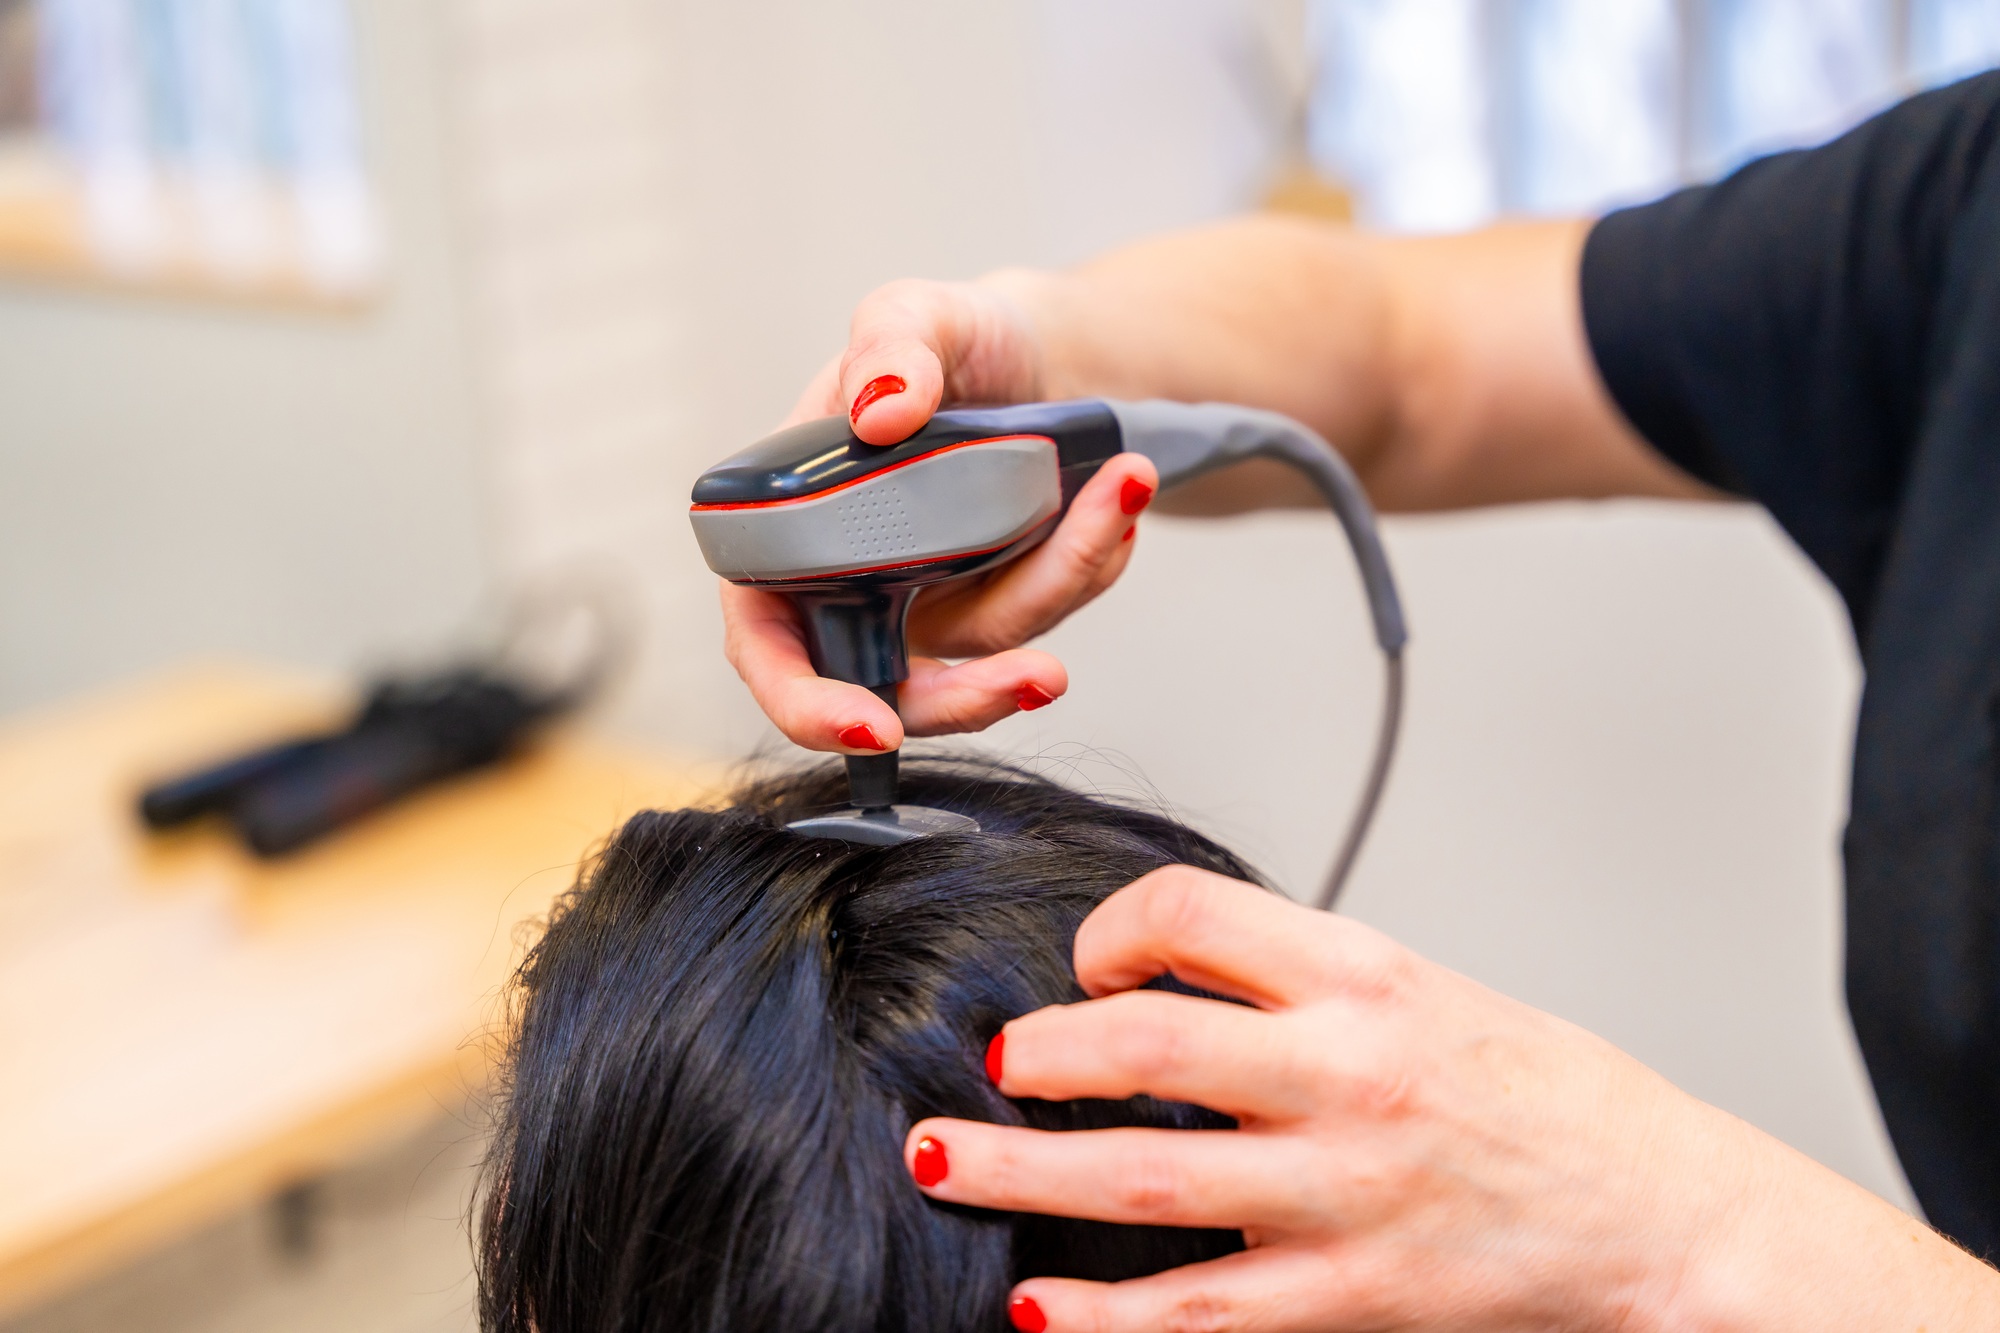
1798 1247
1271 311
1451 371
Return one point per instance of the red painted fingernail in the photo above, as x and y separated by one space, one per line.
929 1167
1130 533
862 737
993 1056
1134 495
1027 1315
874 391
1032 696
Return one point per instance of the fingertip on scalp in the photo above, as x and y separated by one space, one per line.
996 1057
925 1153
1025 1313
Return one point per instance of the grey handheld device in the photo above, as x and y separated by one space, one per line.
852 532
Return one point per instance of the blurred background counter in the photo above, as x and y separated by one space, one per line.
185 1031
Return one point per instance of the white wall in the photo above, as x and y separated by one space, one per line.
1623 779
180 478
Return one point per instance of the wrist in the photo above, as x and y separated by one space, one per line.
1064 317
1031 300
1791 1245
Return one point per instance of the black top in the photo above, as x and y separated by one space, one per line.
1821 332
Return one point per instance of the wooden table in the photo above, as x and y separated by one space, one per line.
183 1030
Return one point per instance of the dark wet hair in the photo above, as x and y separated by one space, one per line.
727 1030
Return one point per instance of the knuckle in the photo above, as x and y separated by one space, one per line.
1373 1288
1151 1045
1374 1189
994 634
1386 1091
955 713
1401 971
983 618
1179 904
893 313
1097 1319
1003 1178
1370 965
1151 1187
1002 627
1385 970
907 293
899 297
803 727
1201 1312
1107 573
742 656
1080 560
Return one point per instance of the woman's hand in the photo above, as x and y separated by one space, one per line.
1414 1152
913 347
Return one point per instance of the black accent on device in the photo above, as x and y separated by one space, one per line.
821 455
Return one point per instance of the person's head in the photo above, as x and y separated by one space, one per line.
727 1030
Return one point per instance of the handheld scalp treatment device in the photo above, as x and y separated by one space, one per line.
852 532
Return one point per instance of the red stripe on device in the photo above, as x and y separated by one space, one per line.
832 490
875 569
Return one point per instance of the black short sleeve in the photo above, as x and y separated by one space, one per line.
1773 334
1821 332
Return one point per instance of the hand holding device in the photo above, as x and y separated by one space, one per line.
852 532
913 347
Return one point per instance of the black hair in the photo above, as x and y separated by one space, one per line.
724 1035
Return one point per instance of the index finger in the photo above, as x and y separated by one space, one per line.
1082 557
1240 1061
1223 935
763 641
1139 1177
766 645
